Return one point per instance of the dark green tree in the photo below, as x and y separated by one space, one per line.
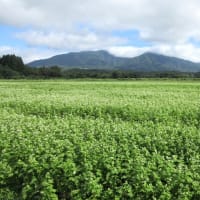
7 73
13 62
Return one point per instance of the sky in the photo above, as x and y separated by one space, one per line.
36 29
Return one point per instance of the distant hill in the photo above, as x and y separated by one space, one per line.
85 59
157 62
147 62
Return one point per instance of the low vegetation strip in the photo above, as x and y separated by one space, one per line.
99 140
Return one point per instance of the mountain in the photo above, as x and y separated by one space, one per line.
157 62
147 62
85 59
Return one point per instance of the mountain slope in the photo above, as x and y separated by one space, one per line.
157 62
146 62
86 59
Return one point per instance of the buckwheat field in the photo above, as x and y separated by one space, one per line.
99 140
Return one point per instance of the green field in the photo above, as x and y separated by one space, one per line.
92 140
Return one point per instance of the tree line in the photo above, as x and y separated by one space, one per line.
12 67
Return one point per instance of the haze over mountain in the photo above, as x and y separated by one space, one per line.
101 59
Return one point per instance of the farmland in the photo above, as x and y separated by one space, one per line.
99 139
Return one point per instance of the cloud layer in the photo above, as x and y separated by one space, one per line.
65 25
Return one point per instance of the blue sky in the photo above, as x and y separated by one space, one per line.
37 29
7 36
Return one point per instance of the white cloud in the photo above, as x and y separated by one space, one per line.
156 20
70 41
28 54
127 51
65 25
185 51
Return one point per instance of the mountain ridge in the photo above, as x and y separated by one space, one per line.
101 59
